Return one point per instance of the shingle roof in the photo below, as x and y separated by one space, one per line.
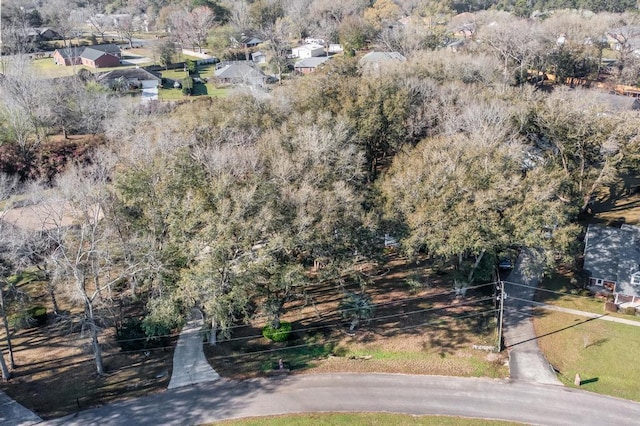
613 254
108 48
92 54
129 74
382 57
311 62
238 71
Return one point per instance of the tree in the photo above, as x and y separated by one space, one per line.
126 28
356 307
165 50
192 28
86 253
7 188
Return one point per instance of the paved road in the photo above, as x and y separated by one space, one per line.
526 361
189 363
417 395
12 413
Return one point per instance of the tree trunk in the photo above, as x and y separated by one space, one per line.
6 328
214 332
97 350
3 366
54 301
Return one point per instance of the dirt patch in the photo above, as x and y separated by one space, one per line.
428 331
55 374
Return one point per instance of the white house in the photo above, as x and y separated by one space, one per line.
307 51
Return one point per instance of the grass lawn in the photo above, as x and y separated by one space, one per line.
605 354
364 419
207 89
48 69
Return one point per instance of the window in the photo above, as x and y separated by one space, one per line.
635 278
599 282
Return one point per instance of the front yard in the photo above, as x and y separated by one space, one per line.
605 354
423 331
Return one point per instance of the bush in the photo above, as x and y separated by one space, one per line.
35 316
131 336
629 310
277 334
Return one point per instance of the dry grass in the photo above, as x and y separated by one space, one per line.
55 374
428 332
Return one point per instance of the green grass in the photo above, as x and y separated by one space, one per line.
605 354
207 89
573 298
47 68
364 419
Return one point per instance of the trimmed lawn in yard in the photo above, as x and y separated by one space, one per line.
207 89
379 419
605 354
572 297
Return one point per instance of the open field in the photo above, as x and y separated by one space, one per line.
361 419
605 354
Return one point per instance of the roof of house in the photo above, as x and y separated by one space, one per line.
620 103
70 52
373 57
613 254
311 62
89 52
309 47
129 74
93 54
239 70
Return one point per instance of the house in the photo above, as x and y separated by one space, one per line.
259 57
239 72
307 51
250 41
612 261
131 77
96 56
309 65
619 103
373 61
42 34
68 56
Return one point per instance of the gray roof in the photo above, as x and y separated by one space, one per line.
108 48
70 53
129 74
616 102
311 62
239 71
92 54
613 254
375 57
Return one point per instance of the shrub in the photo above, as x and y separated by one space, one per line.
131 336
629 310
277 334
35 316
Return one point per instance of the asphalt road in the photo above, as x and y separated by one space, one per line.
417 395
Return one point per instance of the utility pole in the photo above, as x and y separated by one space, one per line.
500 313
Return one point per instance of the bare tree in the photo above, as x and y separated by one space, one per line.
192 28
85 244
125 28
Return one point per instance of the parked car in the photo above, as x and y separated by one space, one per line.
505 264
